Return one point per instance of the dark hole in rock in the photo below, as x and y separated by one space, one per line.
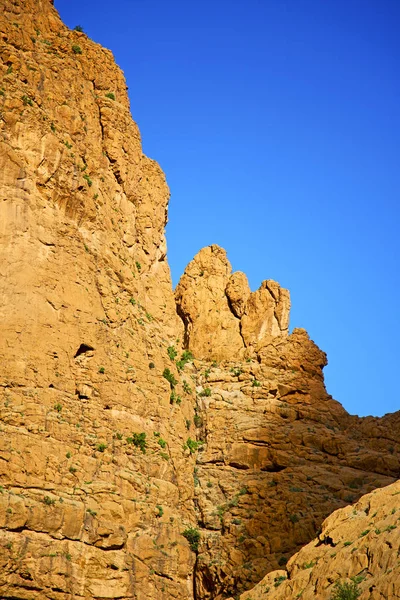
51 385
82 349
107 407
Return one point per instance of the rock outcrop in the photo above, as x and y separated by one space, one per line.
358 550
223 319
153 445
279 456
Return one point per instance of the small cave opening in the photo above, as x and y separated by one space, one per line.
83 348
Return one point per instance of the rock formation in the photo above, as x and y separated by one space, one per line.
152 445
222 317
357 549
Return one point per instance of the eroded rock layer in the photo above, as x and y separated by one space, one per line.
223 319
128 468
356 555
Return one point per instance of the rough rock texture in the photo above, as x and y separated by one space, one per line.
113 443
359 546
279 456
222 316
87 313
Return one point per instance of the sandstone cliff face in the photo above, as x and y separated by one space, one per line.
113 441
279 456
358 547
87 313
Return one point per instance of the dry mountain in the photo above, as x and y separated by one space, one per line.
153 445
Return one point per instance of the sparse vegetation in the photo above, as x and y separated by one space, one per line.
78 28
192 535
58 407
206 392
186 388
170 378
185 358
49 501
101 447
26 100
278 580
191 445
172 352
76 49
160 511
345 591
138 440
110 95
88 180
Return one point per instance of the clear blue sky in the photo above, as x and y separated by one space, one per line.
277 123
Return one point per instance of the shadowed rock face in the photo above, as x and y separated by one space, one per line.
102 470
358 546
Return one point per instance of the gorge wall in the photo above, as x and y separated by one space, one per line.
153 445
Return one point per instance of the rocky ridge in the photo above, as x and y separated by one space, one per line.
152 445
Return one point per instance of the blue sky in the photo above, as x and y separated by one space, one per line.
277 123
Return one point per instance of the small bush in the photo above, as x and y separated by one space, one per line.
26 100
49 501
170 378
236 371
172 353
256 383
206 392
58 407
76 49
186 388
91 512
162 443
78 28
191 445
138 440
160 511
345 591
185 358
110 95
101 447
88 180
102 370
278 580
192 535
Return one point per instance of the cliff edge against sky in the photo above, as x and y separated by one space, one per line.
153 444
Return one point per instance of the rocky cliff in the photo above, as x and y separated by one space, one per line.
356 555
153 445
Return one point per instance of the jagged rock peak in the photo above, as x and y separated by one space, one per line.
223 318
